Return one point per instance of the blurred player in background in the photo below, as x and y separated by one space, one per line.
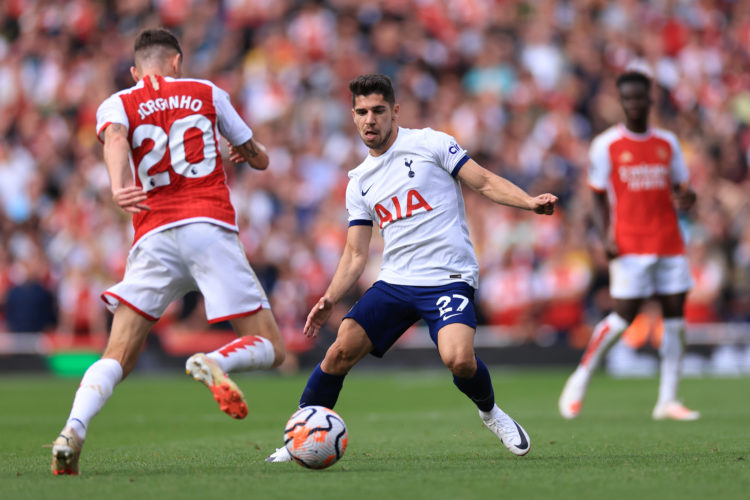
410 186
638 175
185 232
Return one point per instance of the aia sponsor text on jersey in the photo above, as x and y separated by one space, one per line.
415 203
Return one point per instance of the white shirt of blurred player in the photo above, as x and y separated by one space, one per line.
412 194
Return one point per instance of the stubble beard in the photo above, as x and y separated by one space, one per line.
379 145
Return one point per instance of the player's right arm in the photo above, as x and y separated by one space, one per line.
125 193
600 167
602 224
350 268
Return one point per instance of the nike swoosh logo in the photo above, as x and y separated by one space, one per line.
365 192
524 443
450 316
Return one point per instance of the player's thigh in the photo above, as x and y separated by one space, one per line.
263 324
218 264
628 309
672 275
673 305
351 345
455 343
446 305
632 276
384 313
154 277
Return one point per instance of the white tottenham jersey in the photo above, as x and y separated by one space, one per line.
412 193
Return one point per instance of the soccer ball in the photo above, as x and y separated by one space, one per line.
315 437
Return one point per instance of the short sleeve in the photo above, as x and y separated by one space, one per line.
231 125
448 154
356 208
678 171
110 111
600 165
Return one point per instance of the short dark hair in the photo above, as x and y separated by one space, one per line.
373 84
633 77
158 37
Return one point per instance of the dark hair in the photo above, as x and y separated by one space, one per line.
634 77
373 84
159 37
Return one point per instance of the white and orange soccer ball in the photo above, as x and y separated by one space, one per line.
315 437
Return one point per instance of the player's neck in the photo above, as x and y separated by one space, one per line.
637 127
162 71
387 145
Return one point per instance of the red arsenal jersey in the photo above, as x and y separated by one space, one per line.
638 171
173 129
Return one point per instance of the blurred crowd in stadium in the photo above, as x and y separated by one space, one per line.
523 85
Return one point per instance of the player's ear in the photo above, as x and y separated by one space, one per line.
395 111
176 64
135 74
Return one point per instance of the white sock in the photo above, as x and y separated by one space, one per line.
96 387
245 353
672 347
606 333
492 413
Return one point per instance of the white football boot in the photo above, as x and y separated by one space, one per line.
66 450
674 410
280 455
511 434
571 399
229 396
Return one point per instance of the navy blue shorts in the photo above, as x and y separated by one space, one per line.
386 311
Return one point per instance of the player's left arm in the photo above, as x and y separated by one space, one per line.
252 151
684 196
502 191
243 147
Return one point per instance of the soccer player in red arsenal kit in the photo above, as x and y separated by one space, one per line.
161 151
638 174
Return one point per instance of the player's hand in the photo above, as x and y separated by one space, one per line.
318 316
234 154
610 246
684 199
543 204
130 199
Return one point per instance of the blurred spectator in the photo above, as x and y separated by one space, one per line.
29 303
523 85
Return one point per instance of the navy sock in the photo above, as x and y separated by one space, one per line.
478 387
322 389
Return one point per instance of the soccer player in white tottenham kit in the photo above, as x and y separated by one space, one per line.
639 171
185 232
410 186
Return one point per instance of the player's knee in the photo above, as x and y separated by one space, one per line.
462 366
279 355
339 360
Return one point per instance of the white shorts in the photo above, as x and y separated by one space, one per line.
641 276
197 256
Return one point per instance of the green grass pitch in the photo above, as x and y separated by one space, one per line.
412 435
